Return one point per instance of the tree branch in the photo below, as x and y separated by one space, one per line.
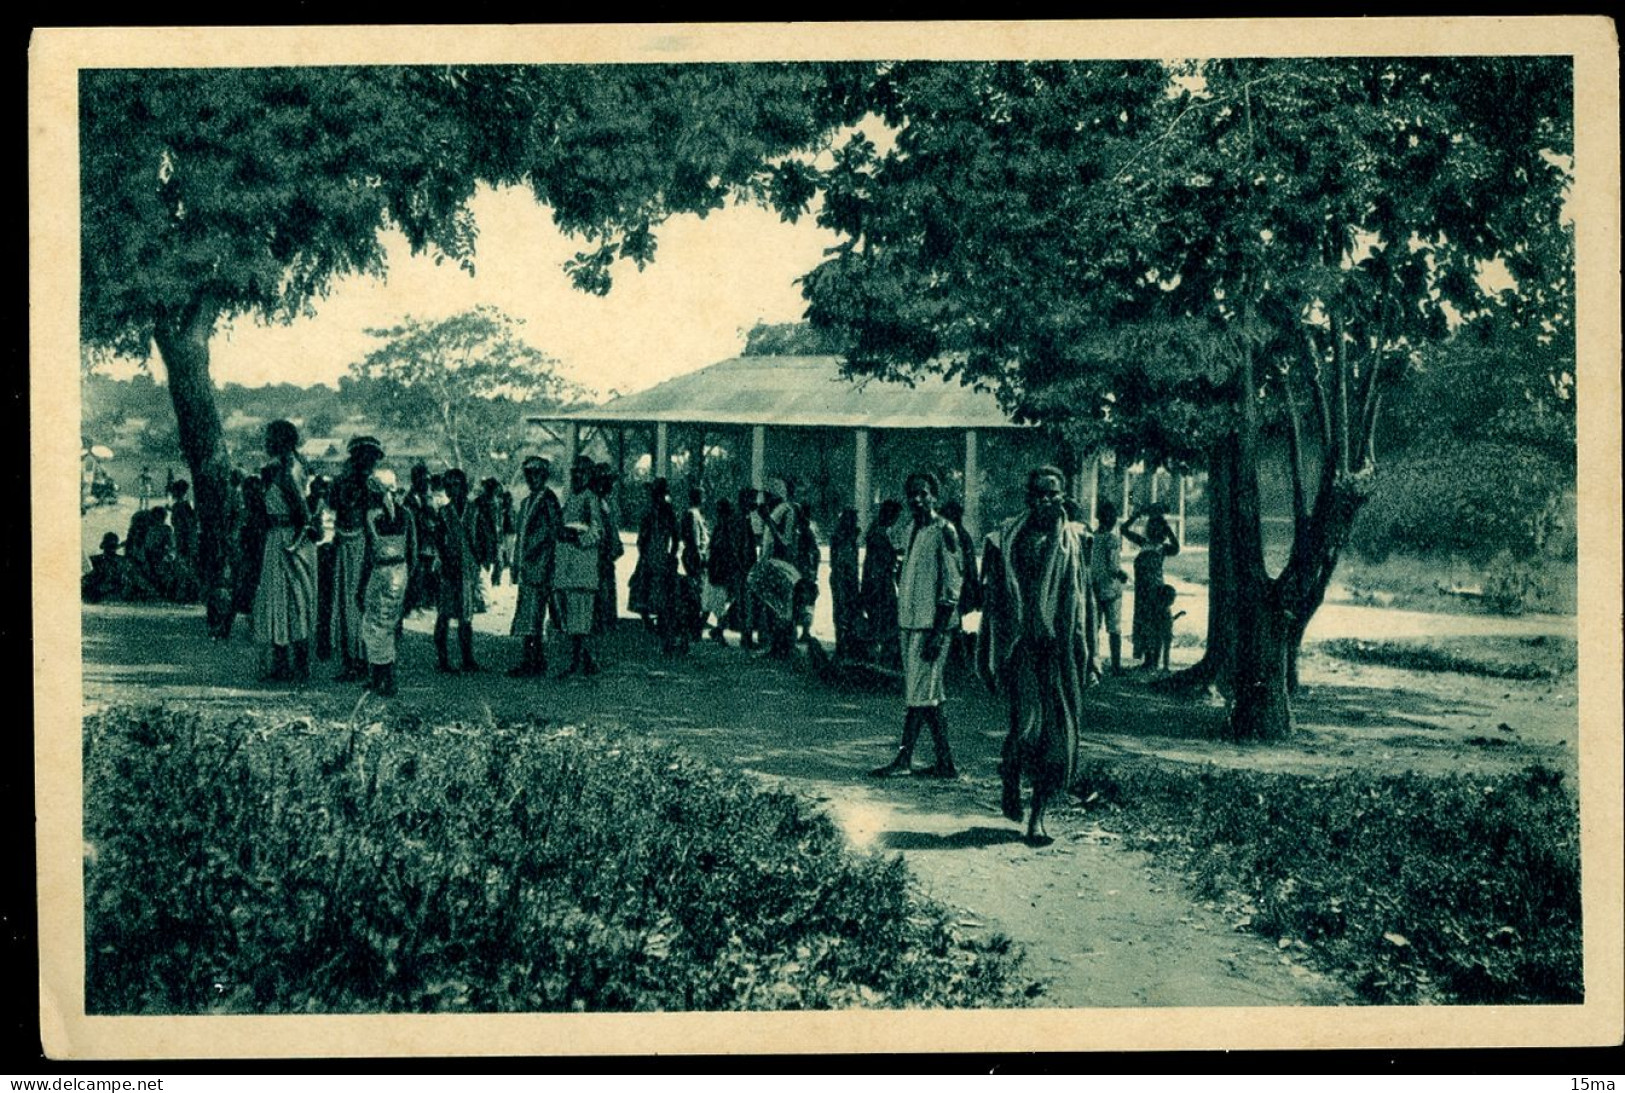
1300 503
1317 388
1341 411
1370 402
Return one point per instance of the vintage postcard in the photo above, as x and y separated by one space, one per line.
826 538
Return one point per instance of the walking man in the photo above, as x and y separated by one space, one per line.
927 612
1035 626
536 541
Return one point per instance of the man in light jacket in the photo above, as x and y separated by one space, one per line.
927 612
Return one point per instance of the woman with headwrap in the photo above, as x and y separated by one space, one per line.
285 601
879 587
774 579
391 546
1150 621
351 497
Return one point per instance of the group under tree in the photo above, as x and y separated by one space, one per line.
1168 260
1173 261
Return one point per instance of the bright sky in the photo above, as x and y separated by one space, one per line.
711 280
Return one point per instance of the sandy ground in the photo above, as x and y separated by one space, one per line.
1102 925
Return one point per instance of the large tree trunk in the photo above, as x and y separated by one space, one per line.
1219 651
1315 550
1260 708
183 341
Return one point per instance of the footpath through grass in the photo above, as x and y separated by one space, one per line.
1413 889
241 867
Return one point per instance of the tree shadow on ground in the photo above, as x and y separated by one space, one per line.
974 838
1377 707
774 718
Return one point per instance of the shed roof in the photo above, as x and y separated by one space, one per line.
797 391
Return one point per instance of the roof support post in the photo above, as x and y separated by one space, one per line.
572 443
972 485
1086 485
1122 510
662 468
758 456
860 477
696 459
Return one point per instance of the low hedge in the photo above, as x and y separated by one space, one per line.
233 866
1413 889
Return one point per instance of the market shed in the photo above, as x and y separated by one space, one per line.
759 393
763 392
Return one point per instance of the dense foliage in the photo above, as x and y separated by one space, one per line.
800 339
1482 441
233 866
1461 889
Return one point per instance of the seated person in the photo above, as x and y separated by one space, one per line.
108 573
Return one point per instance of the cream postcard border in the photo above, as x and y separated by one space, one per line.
55 59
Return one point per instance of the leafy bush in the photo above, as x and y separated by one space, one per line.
1473 501
1504 658
237 867
1458 889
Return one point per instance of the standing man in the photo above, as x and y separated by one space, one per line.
488 530
1035 645
509 537
459 575
536 540
144 486
1107 579
961 649
351 496
610 548
927 611
576 565
694 556
183 518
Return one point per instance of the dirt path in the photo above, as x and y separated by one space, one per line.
1101 924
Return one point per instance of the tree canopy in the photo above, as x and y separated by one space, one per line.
213 193
467 379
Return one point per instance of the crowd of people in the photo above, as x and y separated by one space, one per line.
158 559
334 567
